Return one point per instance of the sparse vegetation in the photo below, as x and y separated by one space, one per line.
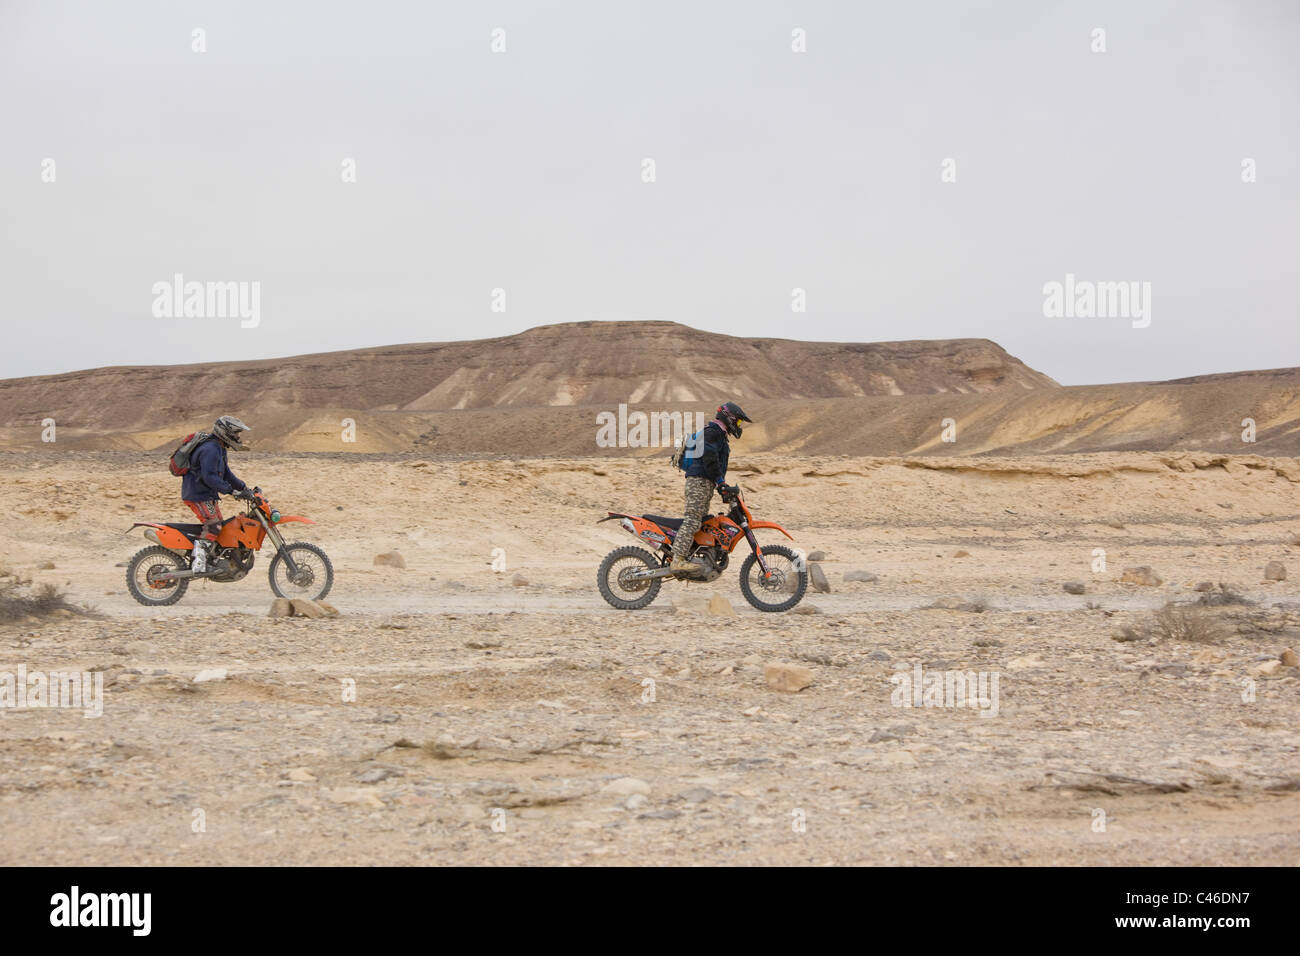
1187 623
19 600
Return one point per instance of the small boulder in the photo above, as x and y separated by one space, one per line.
1275 571
864 576
806 609
313 609
1204 586
1074 587
281 607
961 554
45 566
390 559
790 678
519 581
817 556
1141 575
1268 668
817 578
1288 658
720 607
690 604
214 673
626 786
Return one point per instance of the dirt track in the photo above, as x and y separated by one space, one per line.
530 699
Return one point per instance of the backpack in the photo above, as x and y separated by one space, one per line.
682 460
179 463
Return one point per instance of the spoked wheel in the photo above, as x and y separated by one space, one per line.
314 577
784 585
615 585
142 577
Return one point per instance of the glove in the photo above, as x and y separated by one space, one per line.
242 493
728 491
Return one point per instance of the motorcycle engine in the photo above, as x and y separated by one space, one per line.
240 561
715 562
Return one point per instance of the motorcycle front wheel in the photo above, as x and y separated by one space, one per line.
782 588
315 574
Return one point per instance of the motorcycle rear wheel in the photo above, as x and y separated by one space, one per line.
149 561
627 559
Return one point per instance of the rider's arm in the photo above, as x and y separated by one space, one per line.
214 476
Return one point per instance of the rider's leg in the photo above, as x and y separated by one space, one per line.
209 513
699 491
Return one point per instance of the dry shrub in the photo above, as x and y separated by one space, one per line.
19 600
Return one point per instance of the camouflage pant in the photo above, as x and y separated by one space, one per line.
699 492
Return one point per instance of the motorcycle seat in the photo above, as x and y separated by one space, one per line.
189 530
672 524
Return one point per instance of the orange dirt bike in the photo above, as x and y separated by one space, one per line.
772 578
159 575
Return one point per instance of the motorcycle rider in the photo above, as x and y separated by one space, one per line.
210 476
706 471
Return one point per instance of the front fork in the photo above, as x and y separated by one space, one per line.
274 534
758 552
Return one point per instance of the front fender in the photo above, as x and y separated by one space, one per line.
285 519
771 524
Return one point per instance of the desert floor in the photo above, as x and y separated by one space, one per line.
497 723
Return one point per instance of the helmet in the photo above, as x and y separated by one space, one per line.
731 415
227 429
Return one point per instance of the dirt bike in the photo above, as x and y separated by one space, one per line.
159 575
772 578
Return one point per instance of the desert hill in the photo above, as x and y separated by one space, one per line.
540 393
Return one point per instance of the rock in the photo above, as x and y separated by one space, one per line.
1141 575
354 795
817 556
281 607
879 656
817 578
378 774
961 554
1268 668
636 801
390 559
301 775
806 609
1288 658
1074 587
690 603
696 794
518 580
1275 571
45 566
626 786
215 673
720 607
790 678
882 736
864 576
660 815
313 609
1025 663
1204 586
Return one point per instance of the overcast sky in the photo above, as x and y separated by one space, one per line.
774 170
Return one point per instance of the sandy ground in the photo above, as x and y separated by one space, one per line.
509 724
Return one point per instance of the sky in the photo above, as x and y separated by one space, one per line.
380 174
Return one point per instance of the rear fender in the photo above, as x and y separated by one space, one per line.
169 538
641 529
